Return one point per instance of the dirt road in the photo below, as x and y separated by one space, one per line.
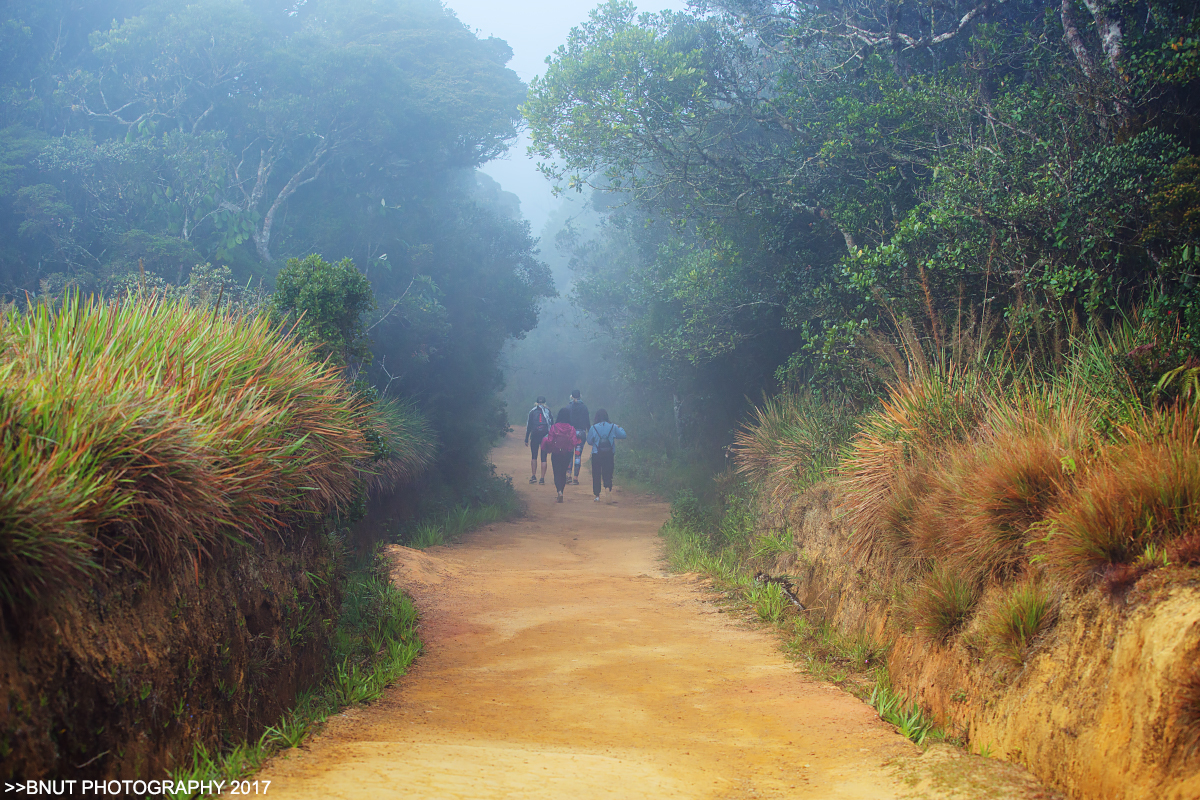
562 662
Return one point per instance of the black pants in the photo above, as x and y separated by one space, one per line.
602 469
561 464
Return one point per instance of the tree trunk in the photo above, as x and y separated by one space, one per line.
678 420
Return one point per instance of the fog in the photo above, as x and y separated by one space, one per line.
533 29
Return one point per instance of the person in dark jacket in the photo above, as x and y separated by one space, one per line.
603 438
536 427
582 420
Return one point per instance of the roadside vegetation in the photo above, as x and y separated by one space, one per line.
987 492
151 434
374 642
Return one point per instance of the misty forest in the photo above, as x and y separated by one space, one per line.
897 302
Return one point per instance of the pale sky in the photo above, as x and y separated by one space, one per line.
533 29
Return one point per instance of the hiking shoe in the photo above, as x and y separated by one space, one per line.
541 481
533 479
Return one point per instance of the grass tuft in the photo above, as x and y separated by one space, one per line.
1011 623
1144 492
768 601
792 441
772 544
943 603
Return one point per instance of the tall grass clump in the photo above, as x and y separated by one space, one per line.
792 440
1144 492
152 433
943 603
886 470
986 495
1010 624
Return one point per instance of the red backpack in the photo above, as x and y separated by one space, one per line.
561 438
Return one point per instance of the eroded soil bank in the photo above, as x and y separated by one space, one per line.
122 678
562 662
1103 705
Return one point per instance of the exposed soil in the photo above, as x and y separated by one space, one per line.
122 678
561 661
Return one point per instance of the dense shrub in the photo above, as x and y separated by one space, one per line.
151 432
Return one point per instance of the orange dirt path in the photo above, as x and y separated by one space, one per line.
561 661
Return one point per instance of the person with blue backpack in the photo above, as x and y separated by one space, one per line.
602 436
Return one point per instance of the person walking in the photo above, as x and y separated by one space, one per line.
603 438
561 442
581 419
537 425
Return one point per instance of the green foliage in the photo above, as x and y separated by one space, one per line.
768 601
324 304
233 429
1011 624
772 544
910 720
143 138
793 177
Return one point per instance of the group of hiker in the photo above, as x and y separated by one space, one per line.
561 437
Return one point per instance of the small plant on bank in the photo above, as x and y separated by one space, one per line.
427 534
910 720
768 601
943 603
1011 623
772 544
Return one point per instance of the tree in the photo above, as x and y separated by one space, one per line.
817 169
325 304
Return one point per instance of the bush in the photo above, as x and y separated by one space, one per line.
1143 492
885 471
325 302
943 603
1010 624
154 433
792 441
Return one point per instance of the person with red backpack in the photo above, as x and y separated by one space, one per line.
560 442
536 427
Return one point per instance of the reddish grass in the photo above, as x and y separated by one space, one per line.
887 471
1185 550
1144 491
